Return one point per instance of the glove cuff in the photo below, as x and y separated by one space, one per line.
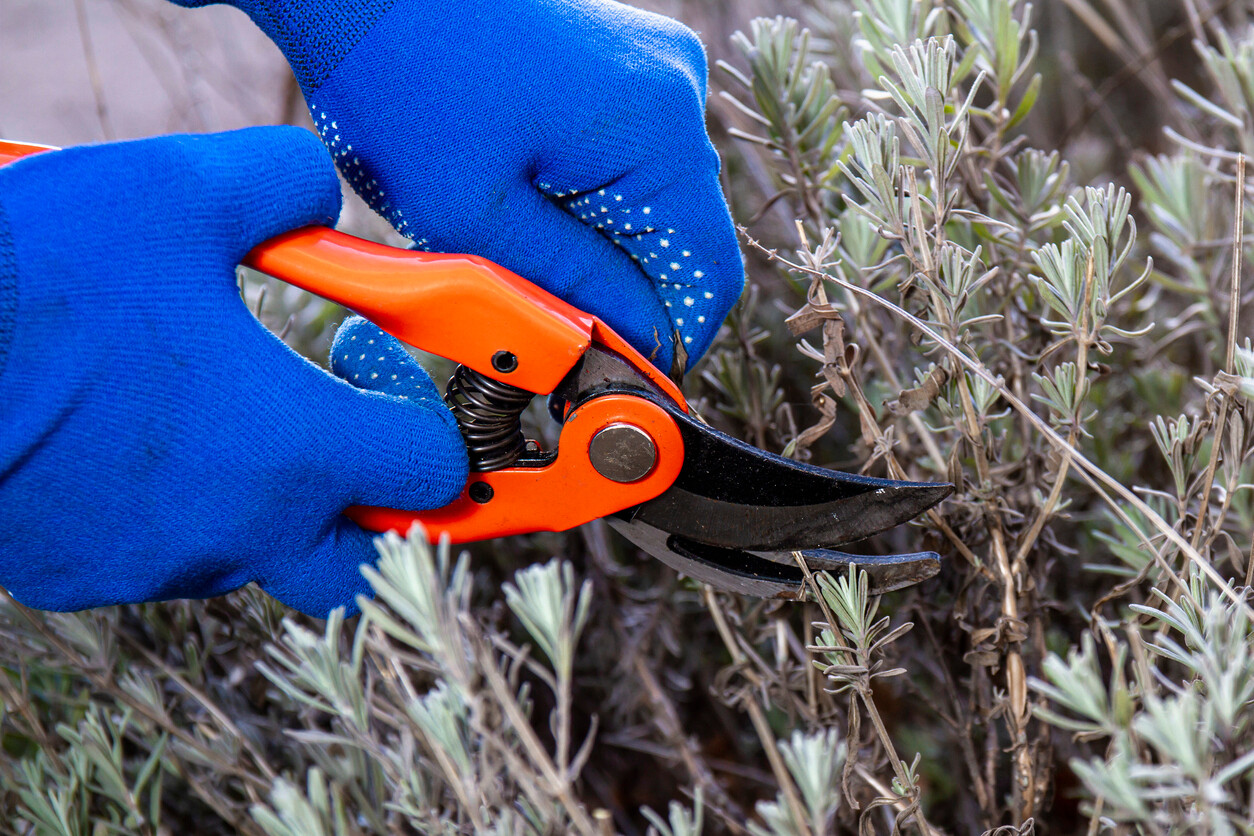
8 289
314 35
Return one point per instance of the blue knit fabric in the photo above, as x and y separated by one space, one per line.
155 440
563 139
8 289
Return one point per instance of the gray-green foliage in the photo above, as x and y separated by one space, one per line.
1175 722
456 749
418 715
814 762
93 785
680 820
1009 329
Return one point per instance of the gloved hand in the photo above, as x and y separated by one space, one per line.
563 139
155 440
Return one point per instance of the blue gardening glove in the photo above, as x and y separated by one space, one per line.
155 440
563 139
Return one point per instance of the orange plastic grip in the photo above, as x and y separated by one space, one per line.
10 151
462 307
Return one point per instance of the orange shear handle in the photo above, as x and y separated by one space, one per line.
462 307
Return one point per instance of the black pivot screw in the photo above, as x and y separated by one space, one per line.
480 492
504 362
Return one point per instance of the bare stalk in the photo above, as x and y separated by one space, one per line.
1234 311
758 717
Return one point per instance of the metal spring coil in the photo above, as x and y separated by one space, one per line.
488 414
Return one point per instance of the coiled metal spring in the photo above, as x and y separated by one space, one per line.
489 415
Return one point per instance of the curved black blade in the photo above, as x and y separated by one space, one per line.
771 575
733 495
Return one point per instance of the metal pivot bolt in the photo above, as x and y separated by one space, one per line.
622 453
505 361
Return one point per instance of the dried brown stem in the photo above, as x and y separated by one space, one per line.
1234 312
758 717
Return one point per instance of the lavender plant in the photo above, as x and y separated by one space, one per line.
949 282
995 337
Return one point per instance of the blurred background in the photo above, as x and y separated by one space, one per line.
75 71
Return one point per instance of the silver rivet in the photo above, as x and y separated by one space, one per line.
622 453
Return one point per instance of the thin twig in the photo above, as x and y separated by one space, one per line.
559 784
106 683
758 717
868 703
1234 311
1073 435
201 697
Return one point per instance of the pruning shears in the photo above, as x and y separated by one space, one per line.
630 449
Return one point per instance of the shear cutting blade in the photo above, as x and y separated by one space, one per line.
736 516
735 496
771 574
